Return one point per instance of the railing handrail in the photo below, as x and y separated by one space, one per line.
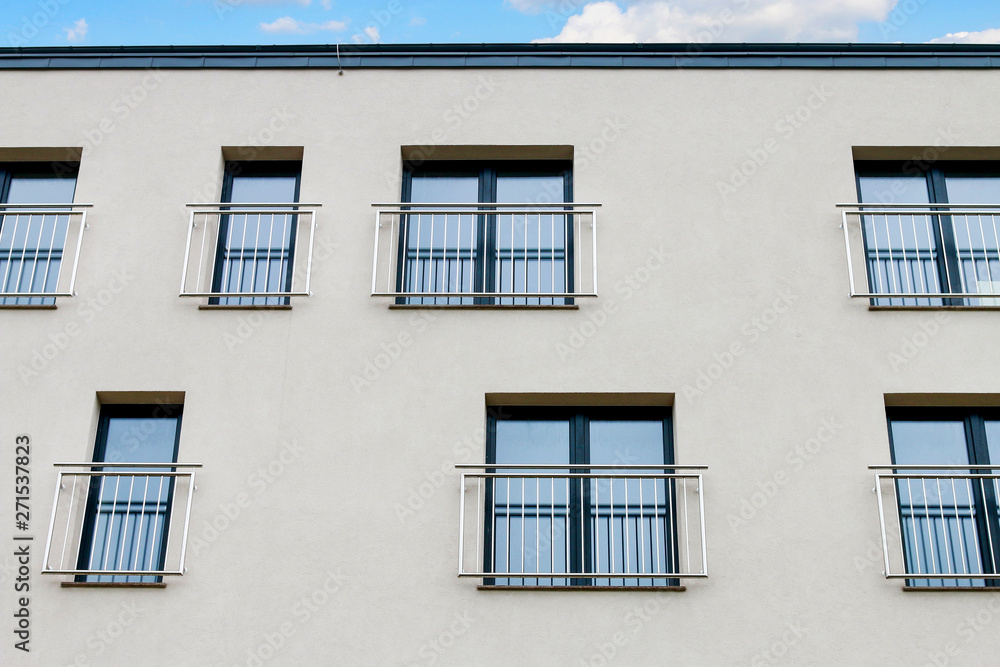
911 206
227 204
48 206
109 464
951 466
466 205
579 466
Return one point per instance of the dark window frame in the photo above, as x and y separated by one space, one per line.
986 502
578 418
934 173
257 168
126 411
8 170
487 171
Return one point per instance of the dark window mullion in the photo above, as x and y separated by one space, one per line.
985 497
487 239
949 266
579 499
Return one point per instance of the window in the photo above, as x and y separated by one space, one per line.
586 493
452 251
128 509
948 520
948 242
32 240
255 249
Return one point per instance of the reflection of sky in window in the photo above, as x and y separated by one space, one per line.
620 442
929 442
263 189
41 190
530 441
140 440
894 190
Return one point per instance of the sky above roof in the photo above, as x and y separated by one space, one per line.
211 22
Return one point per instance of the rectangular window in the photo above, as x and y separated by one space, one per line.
255 249
583 497
33 239
460 250
936 232
948 518
128 508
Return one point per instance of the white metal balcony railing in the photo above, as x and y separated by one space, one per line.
40 251
120 522
939 523
923 254
605 525
249 254
534 254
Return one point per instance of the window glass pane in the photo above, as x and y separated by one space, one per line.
129 508
902 249
31 245
531 247
257 247
937 515
976 236
263 189
531 514
140 440
619 442
441 249
631 524
38 189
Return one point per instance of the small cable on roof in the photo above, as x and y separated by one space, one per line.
340 67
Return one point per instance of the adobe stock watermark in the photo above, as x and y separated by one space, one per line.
785 128
390 351
467 449
794 460
899 16
101 639
123 107
45 354
230 511
633 621
750 332
969 628
911 345
777 651
30 25
301 612
627 287
431 650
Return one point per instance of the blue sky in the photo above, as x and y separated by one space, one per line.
148 22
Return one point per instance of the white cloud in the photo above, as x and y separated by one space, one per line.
718 20
373 33
327 4
536 6
369 34
418 20
288 25
991 36
301 3
77 32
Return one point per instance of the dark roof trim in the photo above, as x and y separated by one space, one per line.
353 56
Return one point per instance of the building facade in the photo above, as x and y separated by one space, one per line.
500 354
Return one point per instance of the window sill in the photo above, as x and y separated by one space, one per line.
421 306
870 307
220 306
951 589
114 584
652 589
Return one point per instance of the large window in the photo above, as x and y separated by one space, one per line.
948 242
128 507
255 249
457 251
32 240
594 516
947 513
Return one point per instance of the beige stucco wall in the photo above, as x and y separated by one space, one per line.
652 147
